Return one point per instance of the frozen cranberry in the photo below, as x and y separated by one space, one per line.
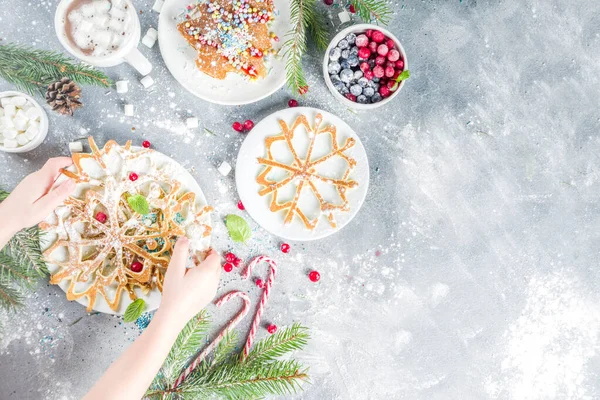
146 144
133 177
362 40
352 9
392 85
364 53
240 205
380 60
369 33
137 266
383 82
237 262
259 283
272 329
382 50
228 267
328 2
378 71
314 276
400 65
248 124
364 66
373 47
393 55
390 43
292 103
350 97
369 75
384 91
238 126
378 37
285 248
230 257
389 71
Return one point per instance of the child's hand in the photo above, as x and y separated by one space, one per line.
32 200
186 292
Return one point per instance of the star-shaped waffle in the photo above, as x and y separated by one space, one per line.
100 255
303 172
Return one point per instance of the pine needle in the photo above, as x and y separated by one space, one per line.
32 70
10 297
11 269
295 44
372 10
25 248
285 341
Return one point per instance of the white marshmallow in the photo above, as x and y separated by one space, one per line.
10 143
344 17
102 6
22 139
115 25
153 33
32 131
21 124
20 114
76 147
117 13
147 81
75 17
128 110
6 101
104 38
191 122
224 169
87 10
33 113
10 110
158 4
10 133
8 122
148 41
1 112
19 101
100 20
122 86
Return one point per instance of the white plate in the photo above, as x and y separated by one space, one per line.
247 169
235 89
152 299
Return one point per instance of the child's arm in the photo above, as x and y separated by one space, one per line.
185 293
32 200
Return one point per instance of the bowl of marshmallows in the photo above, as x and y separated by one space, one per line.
23 123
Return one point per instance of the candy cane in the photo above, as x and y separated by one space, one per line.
217 340
263 300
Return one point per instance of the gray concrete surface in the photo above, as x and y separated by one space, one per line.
483 204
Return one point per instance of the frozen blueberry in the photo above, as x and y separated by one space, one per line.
343 44
362 99
358 74
334 78
363 82
335 54
344 90
368 91
356 90
376 80
345 64
376 98
346 75
339 86
354 50
345 53
351 38
353 61
334 67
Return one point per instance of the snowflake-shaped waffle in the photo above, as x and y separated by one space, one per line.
100 255
303 172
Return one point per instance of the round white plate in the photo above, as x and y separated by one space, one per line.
247 169
235 89
152 299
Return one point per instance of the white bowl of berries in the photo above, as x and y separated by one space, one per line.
365 66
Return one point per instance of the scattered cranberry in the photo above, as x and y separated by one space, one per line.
328 2
293 102
228 267
384 91
146 144
382 50
285 248
400 65
350 96
230 257
314 276
369 74
241 205
393 55
378 37
272 329
364 53
248 124
237 262
378 71
390 44
373 47
133 177
137 266
379 60
389 71
259 283
362 40
369 33
237 126
101 217
352 9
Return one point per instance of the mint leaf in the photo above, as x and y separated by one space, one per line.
402 77
238 228
134 310
139 204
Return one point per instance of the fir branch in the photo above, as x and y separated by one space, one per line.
295 45
317 27
284 341
372 10
3 194
32 70
10 297
25 248
11 269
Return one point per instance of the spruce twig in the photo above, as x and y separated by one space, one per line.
372 10
32 70
295 45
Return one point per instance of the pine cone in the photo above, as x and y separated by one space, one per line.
63 96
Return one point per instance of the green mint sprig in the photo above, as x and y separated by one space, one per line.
134 310
238 228
402 77
139 204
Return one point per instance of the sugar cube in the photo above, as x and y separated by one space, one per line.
33 113
224 169
10 110
129 110
158 4
10 143
148 41
147 81
344 17
122 86
22 139
191 122
76 147
153 33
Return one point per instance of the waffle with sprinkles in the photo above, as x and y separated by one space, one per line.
230 36
101 245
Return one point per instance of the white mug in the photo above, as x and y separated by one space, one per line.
127 52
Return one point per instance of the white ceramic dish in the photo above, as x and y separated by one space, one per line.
358 29
153 298
43 125
247 169
235 89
